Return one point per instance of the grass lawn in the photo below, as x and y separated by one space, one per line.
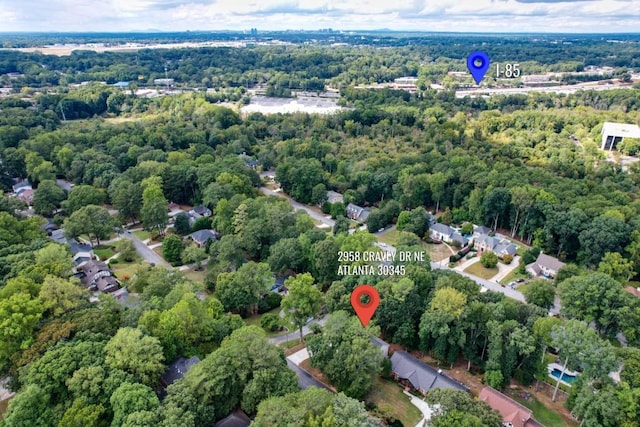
479 270
196 276
142 234
255 320
437 252
104 251
513 275
541 413
390 236
388 397
125 271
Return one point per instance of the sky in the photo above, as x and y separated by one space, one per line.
553 16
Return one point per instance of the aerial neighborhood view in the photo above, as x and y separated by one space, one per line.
320 214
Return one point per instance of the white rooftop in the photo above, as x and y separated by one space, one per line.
621 129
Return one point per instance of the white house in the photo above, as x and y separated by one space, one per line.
615 133
446 234
545 265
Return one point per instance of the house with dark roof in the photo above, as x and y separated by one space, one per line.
235 419
444 233
513 414
49 227
479 230
177 370
96 276
496 244
357 213
201 237
545 265
21 186
420 376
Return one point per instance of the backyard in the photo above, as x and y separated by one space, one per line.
481 271
390 401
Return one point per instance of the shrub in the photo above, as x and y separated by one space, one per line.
114 261
507 259
270 322
268 302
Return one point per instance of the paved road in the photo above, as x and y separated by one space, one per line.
291 335
512 293
144 251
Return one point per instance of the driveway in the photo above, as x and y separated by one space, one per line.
144 251
423 406
305 380
299 356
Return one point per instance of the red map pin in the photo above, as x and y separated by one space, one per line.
365 310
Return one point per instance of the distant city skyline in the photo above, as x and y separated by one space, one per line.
509 16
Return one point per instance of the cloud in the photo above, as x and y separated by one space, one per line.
425 15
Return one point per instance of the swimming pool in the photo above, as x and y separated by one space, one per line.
555 373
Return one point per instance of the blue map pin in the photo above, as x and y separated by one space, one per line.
478 64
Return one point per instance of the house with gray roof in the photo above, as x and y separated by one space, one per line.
444 233
357 213
496 244
235 419
177 370
201 237
96 276
545 265
382 345
420 376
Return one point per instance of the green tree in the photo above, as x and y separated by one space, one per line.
135 353
319 194
489 259
540 292
194 254
581 348
60 296
286 254
95 221
154 205
30 408
127 198
127 249
604 234
240 290
437 183
19 315
182 225
130 398
616 266
341 225
324 256
594 298
82 413
448 400
83 195
47 198
270 322
172 248
345 355
303 301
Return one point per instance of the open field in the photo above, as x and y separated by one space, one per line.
479 270
125 271
388 397
196 276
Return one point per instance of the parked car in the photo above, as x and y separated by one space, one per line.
521 280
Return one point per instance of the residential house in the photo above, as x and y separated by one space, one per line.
21 186
24 191
81 252
49 227
357 213
198 212
201 237
513 414
235 419
496 244
382 345
444 233
480 230
420 376
65 185
96 276
177 370
334 197
545 265
249 161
